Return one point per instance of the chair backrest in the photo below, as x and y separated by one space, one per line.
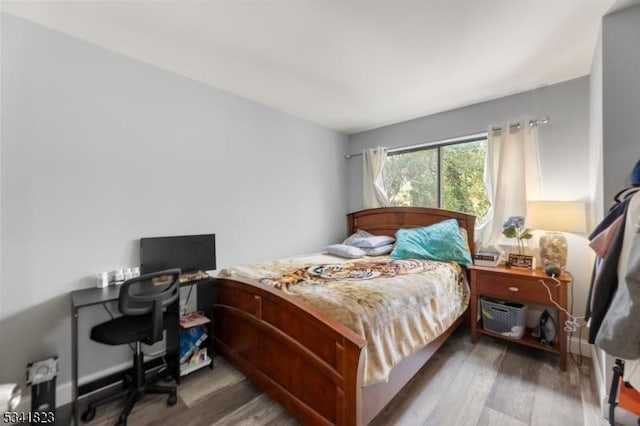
150 293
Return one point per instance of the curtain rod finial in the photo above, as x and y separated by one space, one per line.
543 120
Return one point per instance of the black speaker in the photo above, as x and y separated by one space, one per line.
41 376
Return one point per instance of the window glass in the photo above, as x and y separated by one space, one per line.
446 176
411 179
462 178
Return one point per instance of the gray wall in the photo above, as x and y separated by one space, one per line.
99 150
563 148
621 98
602 365
595 132
615 127
562 143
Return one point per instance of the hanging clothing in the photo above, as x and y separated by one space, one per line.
601 242
616 211
604 284
604 277
619 332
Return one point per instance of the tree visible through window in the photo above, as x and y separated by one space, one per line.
445 176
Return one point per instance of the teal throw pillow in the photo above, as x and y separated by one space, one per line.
440 241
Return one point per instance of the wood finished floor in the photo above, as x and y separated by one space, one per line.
490 383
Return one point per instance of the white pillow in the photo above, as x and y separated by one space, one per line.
372 242
378 251
344 250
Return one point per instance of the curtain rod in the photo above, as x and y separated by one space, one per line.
532 123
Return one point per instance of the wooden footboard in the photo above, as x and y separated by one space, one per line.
305 360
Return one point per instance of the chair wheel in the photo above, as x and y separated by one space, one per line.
88 415
172 399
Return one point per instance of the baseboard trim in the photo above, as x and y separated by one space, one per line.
603 392
575 344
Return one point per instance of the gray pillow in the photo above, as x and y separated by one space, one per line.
358 234
344 250
372 242
378 251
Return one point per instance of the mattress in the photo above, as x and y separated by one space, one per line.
398 306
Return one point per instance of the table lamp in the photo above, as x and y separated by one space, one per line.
556 217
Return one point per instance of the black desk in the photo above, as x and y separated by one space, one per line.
95 296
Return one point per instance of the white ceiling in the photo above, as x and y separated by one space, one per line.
350 65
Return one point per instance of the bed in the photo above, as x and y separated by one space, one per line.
305 359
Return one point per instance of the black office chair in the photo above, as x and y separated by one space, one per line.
142 301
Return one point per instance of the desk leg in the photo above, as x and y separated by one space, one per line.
172 353
74 365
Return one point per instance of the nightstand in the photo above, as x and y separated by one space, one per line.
523 286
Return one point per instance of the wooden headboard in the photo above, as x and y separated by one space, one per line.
387 220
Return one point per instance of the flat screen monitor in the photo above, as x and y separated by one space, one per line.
187 252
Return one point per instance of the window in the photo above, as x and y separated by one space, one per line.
447 176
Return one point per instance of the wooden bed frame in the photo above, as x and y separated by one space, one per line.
304 359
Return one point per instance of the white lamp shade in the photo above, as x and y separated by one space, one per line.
563 216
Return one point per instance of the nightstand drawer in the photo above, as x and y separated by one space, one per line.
527 290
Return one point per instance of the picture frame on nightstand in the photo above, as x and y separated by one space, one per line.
521 261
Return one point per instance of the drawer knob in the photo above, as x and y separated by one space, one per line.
514 289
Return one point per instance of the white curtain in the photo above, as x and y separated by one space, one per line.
373 191
511 177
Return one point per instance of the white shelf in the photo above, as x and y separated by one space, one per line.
193 319
187 368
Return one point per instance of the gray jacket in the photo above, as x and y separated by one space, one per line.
619 333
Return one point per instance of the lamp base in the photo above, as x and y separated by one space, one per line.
553 250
